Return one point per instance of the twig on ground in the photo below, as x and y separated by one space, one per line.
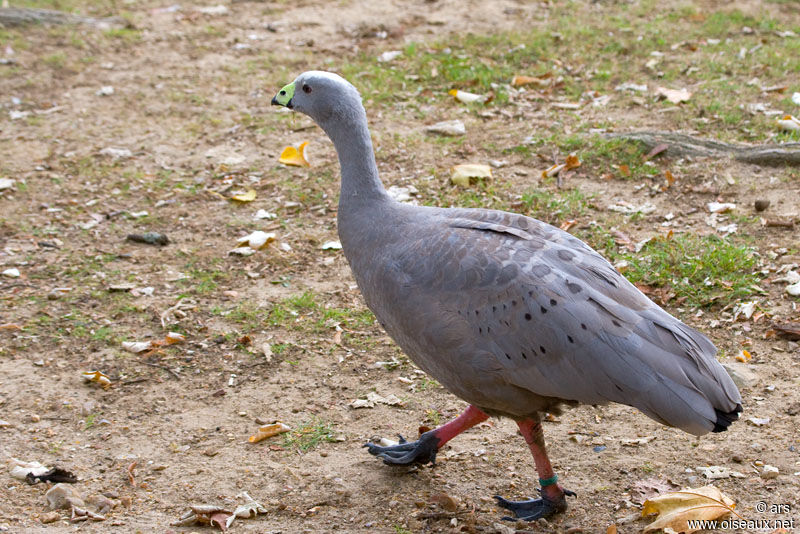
686 145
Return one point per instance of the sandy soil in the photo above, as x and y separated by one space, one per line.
191 104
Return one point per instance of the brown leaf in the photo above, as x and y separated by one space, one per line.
573 162
220 519
661 295
641 490
625 171
566 225
677 508
658 149
445 501
131 478
612 529
669 177
623 240
790 330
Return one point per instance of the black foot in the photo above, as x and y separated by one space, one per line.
533 509
421 451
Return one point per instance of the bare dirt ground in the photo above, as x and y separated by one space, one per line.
190 102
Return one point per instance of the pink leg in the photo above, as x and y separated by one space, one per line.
531 430
553 498
469 418
424 449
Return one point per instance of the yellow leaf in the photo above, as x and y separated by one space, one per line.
97 377
542 80
465 97
789 123
744 356
675 509
249 196
295 156
461 174
553 170
573 162
267 431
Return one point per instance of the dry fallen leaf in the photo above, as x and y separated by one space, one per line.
625 171
542 80
97 377
658 149
267 431
677 508
676 96
612 529
461 174
744 356
249 196
790 330
295 156
466 97
789 123
669 177
642 490
256 240
572 162
172 338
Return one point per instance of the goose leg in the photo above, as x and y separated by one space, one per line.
553 498
425 448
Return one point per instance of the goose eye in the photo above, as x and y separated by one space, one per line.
306 88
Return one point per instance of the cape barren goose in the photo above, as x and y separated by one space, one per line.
511 314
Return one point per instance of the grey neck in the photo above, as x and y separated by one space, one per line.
360 180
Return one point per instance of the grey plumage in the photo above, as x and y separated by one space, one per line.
511 314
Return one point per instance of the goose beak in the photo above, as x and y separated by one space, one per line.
284 96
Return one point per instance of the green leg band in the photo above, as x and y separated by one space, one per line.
548 481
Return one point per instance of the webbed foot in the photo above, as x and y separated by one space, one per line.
408 452
533 509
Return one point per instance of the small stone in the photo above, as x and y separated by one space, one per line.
740 374
63 496
101 504
49 517
761 204
12 273
769 472
88 407
35 418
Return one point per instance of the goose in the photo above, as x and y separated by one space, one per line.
514 316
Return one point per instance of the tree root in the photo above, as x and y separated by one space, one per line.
686 145
18 16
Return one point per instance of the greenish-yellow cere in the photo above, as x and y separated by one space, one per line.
285 94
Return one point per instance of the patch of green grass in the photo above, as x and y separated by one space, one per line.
203 280
126 35
246 314
56 61
427 383
615 155
104 333
554 208
90 421
304 312
700 270
309 435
